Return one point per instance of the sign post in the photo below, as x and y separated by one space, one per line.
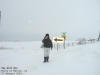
57 41
64 36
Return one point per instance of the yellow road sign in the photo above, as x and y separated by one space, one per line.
64 36
58 40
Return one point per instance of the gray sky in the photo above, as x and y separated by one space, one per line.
30 19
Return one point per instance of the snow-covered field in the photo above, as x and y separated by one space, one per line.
28 56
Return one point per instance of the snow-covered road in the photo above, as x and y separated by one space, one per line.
75 60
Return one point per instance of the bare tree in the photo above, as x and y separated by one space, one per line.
82 41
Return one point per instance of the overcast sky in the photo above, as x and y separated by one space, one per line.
30 19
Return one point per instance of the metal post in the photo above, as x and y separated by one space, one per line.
64 44
57 46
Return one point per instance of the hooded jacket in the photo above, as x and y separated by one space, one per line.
47 43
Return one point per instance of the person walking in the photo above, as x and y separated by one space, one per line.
47 45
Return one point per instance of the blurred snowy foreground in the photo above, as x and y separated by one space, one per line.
28 56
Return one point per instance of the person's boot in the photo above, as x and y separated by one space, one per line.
48 59
44 59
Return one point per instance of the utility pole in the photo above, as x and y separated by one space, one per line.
0 16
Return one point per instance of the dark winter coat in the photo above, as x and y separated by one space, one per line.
47 43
